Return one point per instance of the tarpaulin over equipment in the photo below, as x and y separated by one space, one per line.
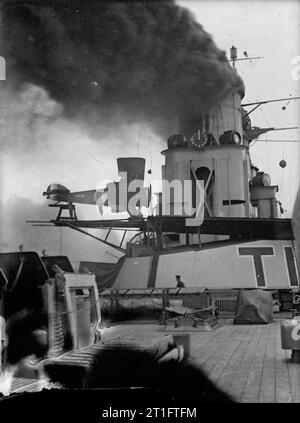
21 276
254 306
62 261
105 273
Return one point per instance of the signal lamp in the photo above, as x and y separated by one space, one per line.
230 137
262 179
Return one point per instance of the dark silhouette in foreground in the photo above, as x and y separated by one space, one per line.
125 368
115 368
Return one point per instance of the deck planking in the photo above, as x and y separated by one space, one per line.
268 379
246 361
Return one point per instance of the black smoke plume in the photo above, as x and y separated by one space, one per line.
133 61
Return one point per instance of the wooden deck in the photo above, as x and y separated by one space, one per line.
244 360
248 363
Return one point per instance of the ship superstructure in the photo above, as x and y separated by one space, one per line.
216 222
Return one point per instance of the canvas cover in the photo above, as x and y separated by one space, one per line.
21 276
105 273
254 306
62 261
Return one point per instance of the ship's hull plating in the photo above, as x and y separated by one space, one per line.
265 264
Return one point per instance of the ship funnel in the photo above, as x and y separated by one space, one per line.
133 166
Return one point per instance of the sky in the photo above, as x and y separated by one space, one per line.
261 28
